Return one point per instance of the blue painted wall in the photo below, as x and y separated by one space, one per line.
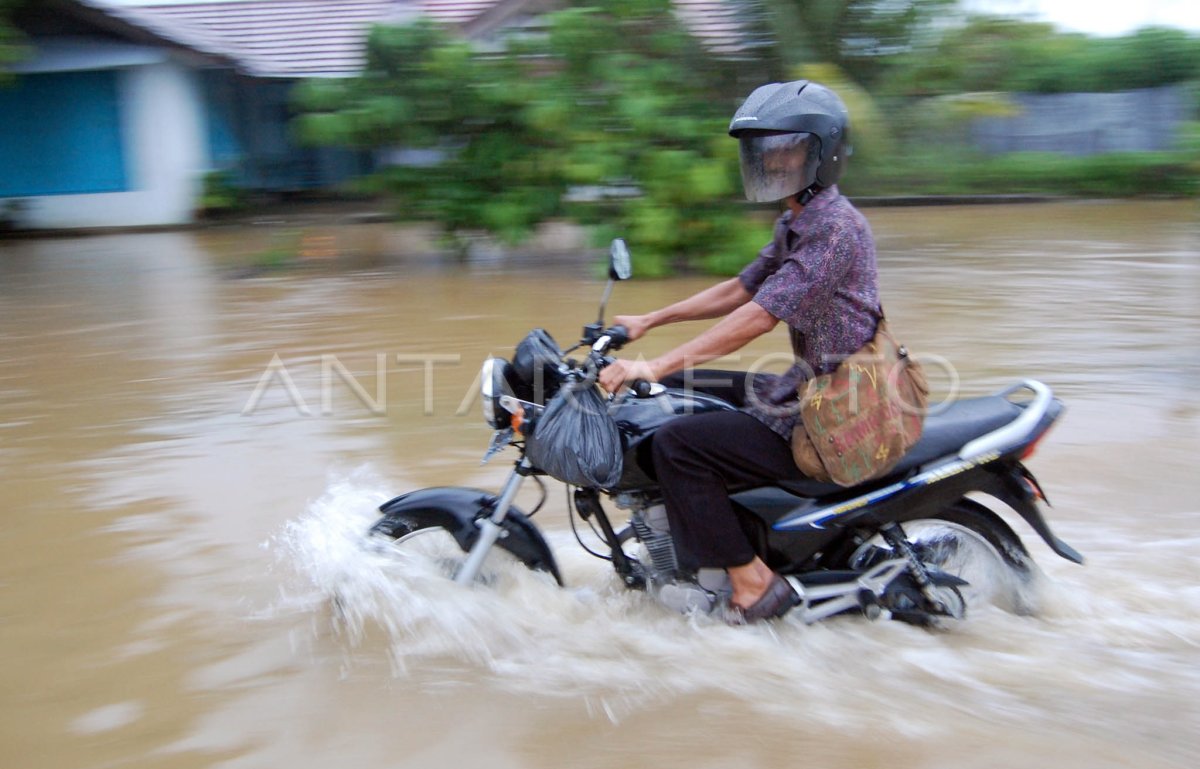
220 97
60 134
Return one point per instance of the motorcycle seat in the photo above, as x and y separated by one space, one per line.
946 431
951 427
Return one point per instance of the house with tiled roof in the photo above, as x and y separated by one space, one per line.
315 38
124 106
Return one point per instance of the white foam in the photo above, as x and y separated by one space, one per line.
620 651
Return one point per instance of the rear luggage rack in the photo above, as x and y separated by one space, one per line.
1012 434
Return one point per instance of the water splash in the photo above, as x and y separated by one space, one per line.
593 638
621 652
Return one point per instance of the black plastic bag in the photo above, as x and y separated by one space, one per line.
575 440
536 366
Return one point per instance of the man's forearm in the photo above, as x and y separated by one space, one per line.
734 332
713 302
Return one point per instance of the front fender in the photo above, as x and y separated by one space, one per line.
455 509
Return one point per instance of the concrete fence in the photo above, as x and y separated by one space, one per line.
1088 123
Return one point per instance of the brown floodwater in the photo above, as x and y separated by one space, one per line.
187 471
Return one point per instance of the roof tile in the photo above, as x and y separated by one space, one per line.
304 38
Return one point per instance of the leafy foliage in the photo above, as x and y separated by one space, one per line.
616 117
959 172
999 54
936 91
635 103
468 158
858 37
12 42
219 194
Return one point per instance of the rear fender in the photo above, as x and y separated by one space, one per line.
1015 486
1007 480
456 509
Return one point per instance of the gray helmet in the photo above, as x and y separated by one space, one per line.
794 137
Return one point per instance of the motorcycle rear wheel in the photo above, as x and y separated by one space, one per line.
968 541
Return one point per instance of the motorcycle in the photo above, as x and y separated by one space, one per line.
907 546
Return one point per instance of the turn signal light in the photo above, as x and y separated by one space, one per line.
1032 447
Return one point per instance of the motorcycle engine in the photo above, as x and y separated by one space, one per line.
707 592
654 532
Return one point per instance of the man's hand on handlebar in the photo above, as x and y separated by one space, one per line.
637 325
620 371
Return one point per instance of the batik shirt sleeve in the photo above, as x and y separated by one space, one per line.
755 273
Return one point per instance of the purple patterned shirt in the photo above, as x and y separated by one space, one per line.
818 276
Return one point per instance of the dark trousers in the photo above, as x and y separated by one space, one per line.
699 459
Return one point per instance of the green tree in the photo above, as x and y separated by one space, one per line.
1000 54
859 37
462 152
615 116
635 103
12 42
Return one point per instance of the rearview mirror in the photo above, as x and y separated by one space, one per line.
620 266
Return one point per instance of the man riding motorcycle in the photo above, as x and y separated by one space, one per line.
817 276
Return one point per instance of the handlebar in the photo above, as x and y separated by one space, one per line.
608 340
641 388
602 341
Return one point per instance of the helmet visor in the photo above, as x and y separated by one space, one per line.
774 165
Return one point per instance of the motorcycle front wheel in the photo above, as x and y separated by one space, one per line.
431 546
972 543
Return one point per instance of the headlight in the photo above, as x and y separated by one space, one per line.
491 388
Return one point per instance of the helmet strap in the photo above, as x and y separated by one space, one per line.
808 194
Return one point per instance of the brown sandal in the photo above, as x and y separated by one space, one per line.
778 600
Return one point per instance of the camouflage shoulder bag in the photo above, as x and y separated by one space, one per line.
857 422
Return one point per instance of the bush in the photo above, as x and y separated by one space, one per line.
1172 174
219 194
1112 175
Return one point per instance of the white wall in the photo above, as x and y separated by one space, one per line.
166 151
